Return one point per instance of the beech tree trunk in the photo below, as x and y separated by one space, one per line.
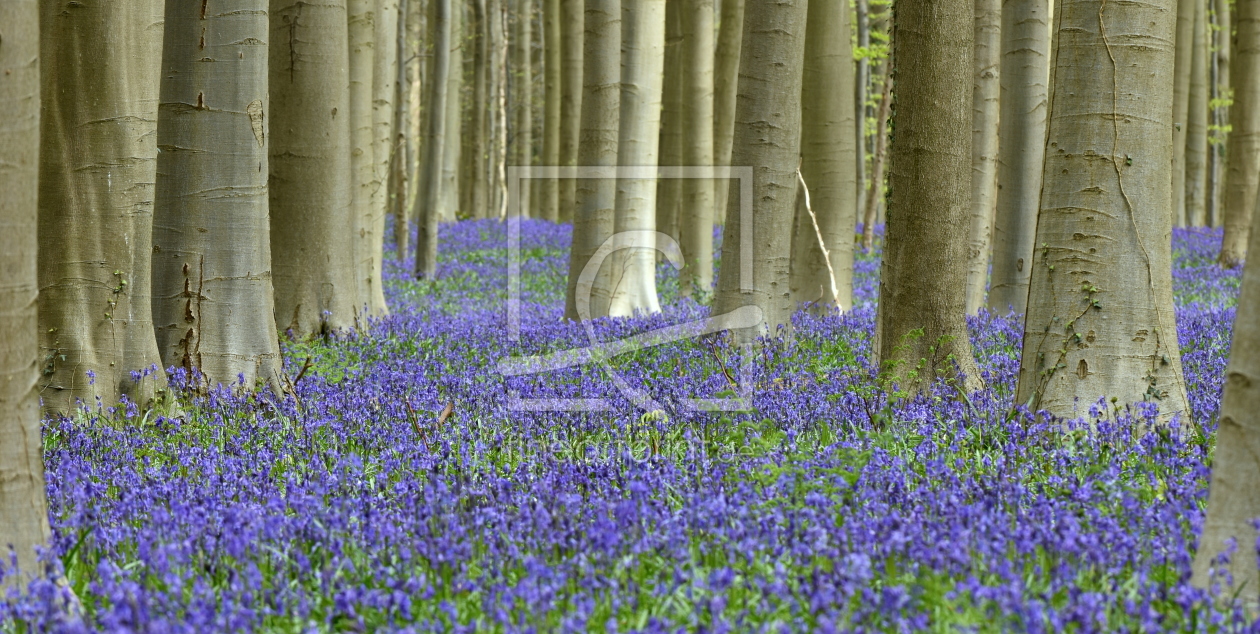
477 151
922 316
522 99
1100 317
725 87
695 222
768 138
878 160
312 216
986 91
385 78
549 197
497 10
572 13
212 296
23 507
861 90
669 190
399 175
1184 40
1222 34
361 22
449 203
1243 166
1197 122
601 106
825 281
430 196
98 164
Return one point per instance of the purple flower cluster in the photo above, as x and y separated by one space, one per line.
355 506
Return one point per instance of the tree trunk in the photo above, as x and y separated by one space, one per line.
696 213
1221 40
1022 128
986 91
523 99
1100 309
1243 165
430 196
1184 40
596 198
922 316
725 86
499 112
312 244
861 90
768 138
417 22
23 507
384 88
476 164
571 70
361 22
98 165
825 280
398 173
1197 122
1233 497
212 295
669 190
549 200
878 160
448 205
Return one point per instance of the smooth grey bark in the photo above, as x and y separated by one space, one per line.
878 161
522 93
1184 42
385 77
212 295
861 92
475 184
768 138
549 195
825 281
572 13
1242 174
725 86
398 173
596 202
985 100
361 28
1100 317
669 190
23 506
1022 129
449 203
695 217
497 10
312 221
98 164
430 197
1222 34
1233 496
922 315
1197 122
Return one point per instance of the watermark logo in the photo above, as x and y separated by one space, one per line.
600 352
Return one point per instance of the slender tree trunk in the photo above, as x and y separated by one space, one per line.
601 106
1100 317
922 315
985 95
523 98
1243 166
312 244
417 22
878 160
825 280
549 200
448 205
1022 126
212 295
696 213
98 165
643 58
725 87
398 172
477 168
385 90
1197 122
23 507
669 190
1221 40
571 70
1233 497
430 196
361 23
498 98
1181 105
769 91
863 86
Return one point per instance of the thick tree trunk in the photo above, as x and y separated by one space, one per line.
212 296
1197 122
725 87
522 92
571 73
878 159
922 315
825 280
1233 497
768 138
695 222
1184 41
312 243
643 57
448 205
669 190
23 507
430 196
601 106
1100 309
986 91
549 197
361 23
1243 167
98 165
385 90
1022 129
398 173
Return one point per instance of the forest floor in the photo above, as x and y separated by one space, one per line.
358 506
